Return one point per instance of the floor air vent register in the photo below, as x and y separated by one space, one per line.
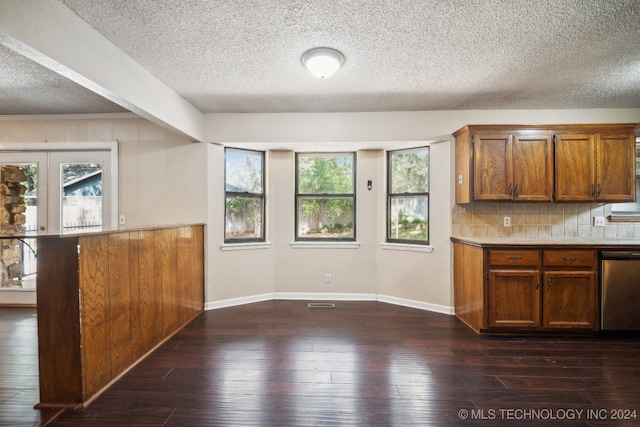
321 305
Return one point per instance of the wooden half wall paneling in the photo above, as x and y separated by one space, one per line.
94 309
59 321
119 303
105 300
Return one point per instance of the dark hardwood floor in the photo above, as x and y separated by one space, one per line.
19 390
280 363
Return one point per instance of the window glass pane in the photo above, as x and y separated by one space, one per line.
409 171
19 197
243 171
325 218
243 218
244 187
81 196
409 218
18 213
631 207
325 173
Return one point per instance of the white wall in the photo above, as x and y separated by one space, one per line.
157 168
413 278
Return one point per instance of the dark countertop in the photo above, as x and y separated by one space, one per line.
581 243
45 234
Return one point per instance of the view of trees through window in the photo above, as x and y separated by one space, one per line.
244 177
325 196
408 196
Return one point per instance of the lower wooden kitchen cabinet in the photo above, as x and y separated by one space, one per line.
540 289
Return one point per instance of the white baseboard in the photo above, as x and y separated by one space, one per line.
324 296
420 305
436 308
237 301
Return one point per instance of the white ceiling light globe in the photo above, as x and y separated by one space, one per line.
322 62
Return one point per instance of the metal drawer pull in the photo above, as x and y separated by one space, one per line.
569 258
514 257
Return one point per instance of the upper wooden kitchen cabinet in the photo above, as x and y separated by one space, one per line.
516 163
595 166
504 164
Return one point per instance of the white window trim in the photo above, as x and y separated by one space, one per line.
407 247
325 245
245 246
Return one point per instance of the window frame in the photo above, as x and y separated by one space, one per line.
391 196
237 194
299 196
629 212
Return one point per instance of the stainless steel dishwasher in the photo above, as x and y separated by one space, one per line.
620 297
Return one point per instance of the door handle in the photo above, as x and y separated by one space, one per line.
548 283
517 190
510 189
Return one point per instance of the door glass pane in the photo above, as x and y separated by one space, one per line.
18 213
81 196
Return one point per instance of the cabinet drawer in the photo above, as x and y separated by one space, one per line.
514 258
563 258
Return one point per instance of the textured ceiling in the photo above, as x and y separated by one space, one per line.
28 88
401 55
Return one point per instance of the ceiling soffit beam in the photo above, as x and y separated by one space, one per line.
50 34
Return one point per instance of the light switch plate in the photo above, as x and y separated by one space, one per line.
598 221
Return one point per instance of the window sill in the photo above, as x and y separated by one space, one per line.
407 247
325 245
245 246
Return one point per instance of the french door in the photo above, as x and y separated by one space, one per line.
57 191
66 191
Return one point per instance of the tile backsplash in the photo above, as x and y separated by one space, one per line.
538 220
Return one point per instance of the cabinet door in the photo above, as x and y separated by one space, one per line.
492 166
574 179
615 167
532 166
514 299
569 300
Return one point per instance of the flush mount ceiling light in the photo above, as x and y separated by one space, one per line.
322 62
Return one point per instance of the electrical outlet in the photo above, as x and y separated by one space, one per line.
327 278
122 220
507 221
598 221
460 179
